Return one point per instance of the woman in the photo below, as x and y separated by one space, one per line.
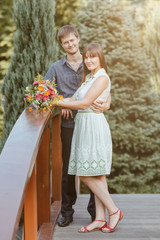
91 152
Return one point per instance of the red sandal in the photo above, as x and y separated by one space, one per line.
108 229
85 230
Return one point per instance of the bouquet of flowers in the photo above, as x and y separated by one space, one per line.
41 94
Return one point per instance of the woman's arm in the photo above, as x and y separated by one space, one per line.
100 106
100 84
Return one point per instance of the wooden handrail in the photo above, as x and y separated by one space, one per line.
24 174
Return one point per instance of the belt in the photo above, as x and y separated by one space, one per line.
83 111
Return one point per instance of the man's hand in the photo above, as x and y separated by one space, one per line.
66 113
100 106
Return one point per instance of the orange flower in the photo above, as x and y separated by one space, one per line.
61 97
44 109
47 93
30 97
40 88
30 109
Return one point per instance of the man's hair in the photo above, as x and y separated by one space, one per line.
65 30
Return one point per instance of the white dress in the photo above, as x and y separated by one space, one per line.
91 149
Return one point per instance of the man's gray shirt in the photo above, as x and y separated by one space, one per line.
67 81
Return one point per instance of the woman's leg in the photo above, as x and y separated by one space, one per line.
99 187
100 215
100 209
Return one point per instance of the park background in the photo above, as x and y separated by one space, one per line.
129 33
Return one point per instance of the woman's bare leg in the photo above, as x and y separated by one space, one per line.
100 215
100 209
99 187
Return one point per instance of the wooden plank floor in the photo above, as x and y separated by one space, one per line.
141 219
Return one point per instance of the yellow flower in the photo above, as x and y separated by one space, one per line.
61 97
30 109
44 109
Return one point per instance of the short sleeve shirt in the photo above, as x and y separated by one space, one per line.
67 81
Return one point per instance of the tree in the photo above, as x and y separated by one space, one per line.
152 37
7 28
34 51
65 10
134 115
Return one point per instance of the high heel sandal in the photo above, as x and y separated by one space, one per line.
85 229
109 229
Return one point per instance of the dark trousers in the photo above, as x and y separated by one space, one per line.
69 195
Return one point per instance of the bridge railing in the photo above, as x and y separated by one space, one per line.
28 179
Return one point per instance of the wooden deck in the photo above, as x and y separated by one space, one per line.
141 219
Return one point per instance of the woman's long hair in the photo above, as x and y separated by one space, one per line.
94 50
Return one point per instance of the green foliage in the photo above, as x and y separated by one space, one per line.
1 114
7 28
34 51
65 10
152 37
134 115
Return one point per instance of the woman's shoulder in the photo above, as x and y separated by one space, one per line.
101 72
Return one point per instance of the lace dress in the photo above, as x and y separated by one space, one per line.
91 149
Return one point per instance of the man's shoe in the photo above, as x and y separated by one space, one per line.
65 221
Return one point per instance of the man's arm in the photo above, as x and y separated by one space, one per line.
51 74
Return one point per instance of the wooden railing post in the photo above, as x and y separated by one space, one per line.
30 210
56 158
43 180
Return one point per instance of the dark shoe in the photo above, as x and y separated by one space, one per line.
65 221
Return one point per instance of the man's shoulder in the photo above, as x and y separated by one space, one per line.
58 63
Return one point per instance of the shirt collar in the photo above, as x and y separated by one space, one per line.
64 60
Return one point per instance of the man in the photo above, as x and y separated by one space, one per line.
68 74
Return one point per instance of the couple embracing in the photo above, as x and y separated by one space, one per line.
86 144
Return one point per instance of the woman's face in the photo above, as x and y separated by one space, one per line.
92 62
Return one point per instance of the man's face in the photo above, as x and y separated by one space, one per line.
70 43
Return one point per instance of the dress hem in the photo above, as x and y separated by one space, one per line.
91 175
